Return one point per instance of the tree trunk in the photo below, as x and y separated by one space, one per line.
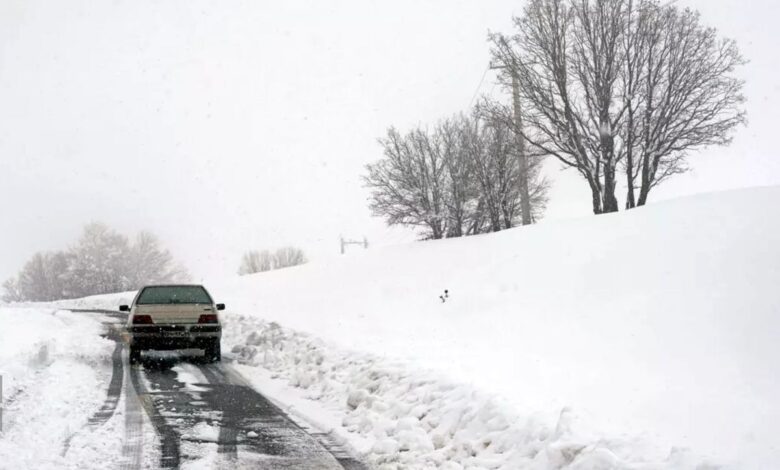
610 201
630 196
644 192
608 157
596 195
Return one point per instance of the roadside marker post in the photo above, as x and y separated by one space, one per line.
1 403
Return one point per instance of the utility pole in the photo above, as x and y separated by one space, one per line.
525 198
344 243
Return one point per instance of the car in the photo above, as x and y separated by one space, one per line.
171 317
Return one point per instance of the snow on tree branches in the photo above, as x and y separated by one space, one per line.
102 261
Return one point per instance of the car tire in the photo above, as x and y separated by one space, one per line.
135 355
213 353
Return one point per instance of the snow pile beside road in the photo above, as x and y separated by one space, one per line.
659 323
96 302
53 365
417 420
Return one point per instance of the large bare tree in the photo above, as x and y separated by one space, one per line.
408 184
621 85
689 97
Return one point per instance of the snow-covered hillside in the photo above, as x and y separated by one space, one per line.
645 339
662 322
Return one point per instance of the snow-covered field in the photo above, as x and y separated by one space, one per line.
55 367
640 340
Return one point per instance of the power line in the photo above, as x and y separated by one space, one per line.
482 80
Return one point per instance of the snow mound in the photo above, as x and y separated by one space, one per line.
640 340
658 326
55 367
419 420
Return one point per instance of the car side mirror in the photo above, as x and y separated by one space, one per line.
220 306
124 308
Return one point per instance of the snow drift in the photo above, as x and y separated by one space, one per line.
659 324
54 366
645 339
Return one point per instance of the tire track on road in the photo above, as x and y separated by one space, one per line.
121 378
228 432
132 446
113 393
252 431
170 453
244 410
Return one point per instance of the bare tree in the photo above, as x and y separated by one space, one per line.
99 262
516 169
148 263
11 292
611 85
490 147
40 280
261 261
566 59
460 191
289 256
690 97
255 262
464 177
408 185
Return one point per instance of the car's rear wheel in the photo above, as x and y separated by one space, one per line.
135 355
213 352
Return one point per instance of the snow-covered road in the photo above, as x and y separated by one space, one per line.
174 411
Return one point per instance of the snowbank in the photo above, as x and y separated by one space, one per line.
54 366
402 418
645 339
658 324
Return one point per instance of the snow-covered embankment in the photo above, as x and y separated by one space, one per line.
645 337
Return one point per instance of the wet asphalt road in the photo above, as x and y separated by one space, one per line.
206 413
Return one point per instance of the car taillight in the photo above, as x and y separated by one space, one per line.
208 318
142 320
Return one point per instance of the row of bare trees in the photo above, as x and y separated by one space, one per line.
101 262
620 89
463 177
261 261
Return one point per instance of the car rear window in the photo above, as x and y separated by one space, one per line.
173 295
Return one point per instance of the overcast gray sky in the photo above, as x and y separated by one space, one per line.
229 125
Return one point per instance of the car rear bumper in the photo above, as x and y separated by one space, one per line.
168 337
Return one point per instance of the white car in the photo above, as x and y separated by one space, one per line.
168 317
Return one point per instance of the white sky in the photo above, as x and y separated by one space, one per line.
229 125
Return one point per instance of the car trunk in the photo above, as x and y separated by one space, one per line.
175 313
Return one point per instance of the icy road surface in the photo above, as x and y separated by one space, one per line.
207 413
175 411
